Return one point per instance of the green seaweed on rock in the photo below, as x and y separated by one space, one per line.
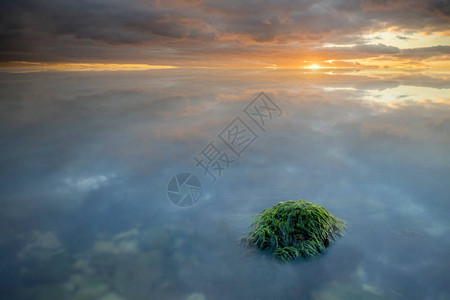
294 229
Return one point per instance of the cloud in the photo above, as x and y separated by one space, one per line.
200 32
86 184
402 37
426 52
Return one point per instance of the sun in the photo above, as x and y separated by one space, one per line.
313 67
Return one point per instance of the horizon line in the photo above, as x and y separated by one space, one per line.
25 66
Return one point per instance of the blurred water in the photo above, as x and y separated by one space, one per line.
86 158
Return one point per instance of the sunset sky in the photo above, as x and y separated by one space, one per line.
139 34
103 103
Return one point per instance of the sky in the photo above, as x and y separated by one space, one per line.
138 34
363 86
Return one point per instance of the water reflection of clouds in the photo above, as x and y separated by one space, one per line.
120 137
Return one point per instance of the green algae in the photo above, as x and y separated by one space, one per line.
293 229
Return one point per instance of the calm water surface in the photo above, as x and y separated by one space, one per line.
86 158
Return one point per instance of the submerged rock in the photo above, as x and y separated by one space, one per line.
112 296
293 229
43 245
196 296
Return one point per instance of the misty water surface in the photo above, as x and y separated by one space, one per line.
86 158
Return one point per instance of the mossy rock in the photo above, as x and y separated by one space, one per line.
293 229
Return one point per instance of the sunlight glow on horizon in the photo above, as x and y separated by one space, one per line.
313 67
323 65
37 66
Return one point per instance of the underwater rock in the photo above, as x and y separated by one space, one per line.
55 269
116 247
39 292
43 245
84 287
91 291
82 265
129 234
343 290
196 296
112 296
293 229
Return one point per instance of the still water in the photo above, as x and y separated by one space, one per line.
86 158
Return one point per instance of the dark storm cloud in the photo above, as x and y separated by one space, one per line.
441 7
107 21
100 29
